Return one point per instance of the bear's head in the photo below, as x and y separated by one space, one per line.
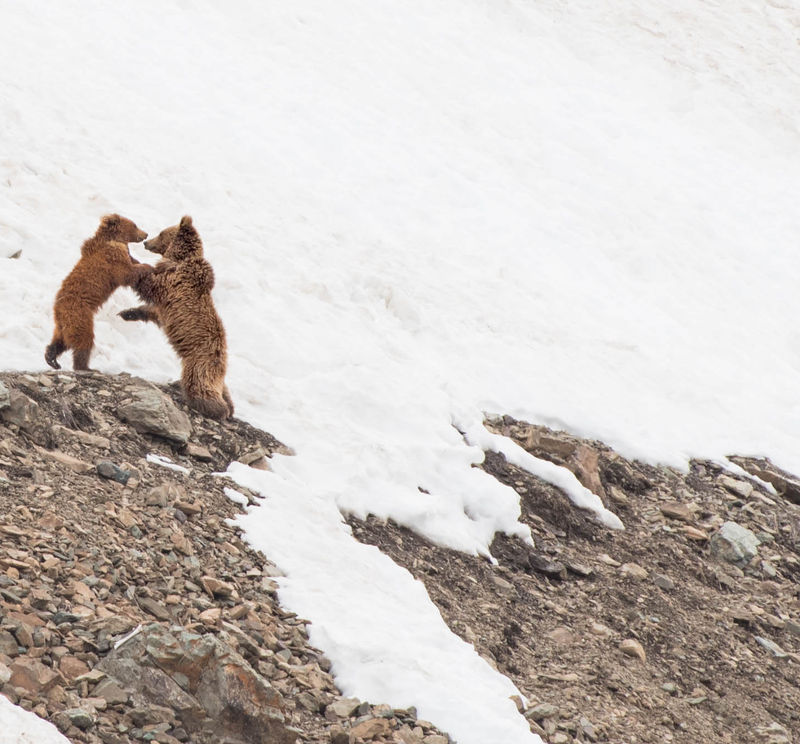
114 227
186 243
162 241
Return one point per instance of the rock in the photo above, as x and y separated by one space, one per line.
32 675
370 729
663 582
216 588
156 609
8 644
562 636
588 728
734 485
344 707
64 435
5 397
581 569
695 534
107 469
599 629
771 646
631 647
198 452
785 484
81 718
542 711
211 617
111 692
734 543
73 463
72 668
339 735
677 510
634 571
204 680
19 409
544 565
151 412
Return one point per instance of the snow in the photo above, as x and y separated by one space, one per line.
164 462
21 727
581 214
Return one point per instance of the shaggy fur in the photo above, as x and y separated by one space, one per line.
178 297
105 264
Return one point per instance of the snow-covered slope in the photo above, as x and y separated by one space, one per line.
579 213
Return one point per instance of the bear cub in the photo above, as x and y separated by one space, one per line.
104 265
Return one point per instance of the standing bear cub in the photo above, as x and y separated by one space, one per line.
104 265
178 297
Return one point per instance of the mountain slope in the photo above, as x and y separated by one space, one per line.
575 214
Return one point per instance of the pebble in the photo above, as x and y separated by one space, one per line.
542 711
663 582
632 647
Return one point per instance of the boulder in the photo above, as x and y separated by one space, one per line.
152 412
212 688
734 543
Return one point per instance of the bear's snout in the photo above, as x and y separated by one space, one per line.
141 235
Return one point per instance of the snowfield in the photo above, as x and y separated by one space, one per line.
580 214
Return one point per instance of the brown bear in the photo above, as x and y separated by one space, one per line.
178 297
104 265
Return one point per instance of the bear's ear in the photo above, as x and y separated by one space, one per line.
186 221
111 220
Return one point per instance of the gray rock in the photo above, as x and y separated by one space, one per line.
152 685
80 717
25 413
734 543
541 711
771 646
211 687
111 692
664 582
5 398
344 707
107 469
739 487
151 412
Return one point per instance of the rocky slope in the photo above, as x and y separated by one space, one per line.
130 610
683 628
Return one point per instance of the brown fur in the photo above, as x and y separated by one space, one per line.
104 265
178 297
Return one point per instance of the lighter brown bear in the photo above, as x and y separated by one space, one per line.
104 265
178 297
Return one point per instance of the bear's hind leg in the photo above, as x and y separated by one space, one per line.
79 336
226 396
215 409
80 359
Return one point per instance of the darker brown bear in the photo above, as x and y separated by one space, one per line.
178 297
104 265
